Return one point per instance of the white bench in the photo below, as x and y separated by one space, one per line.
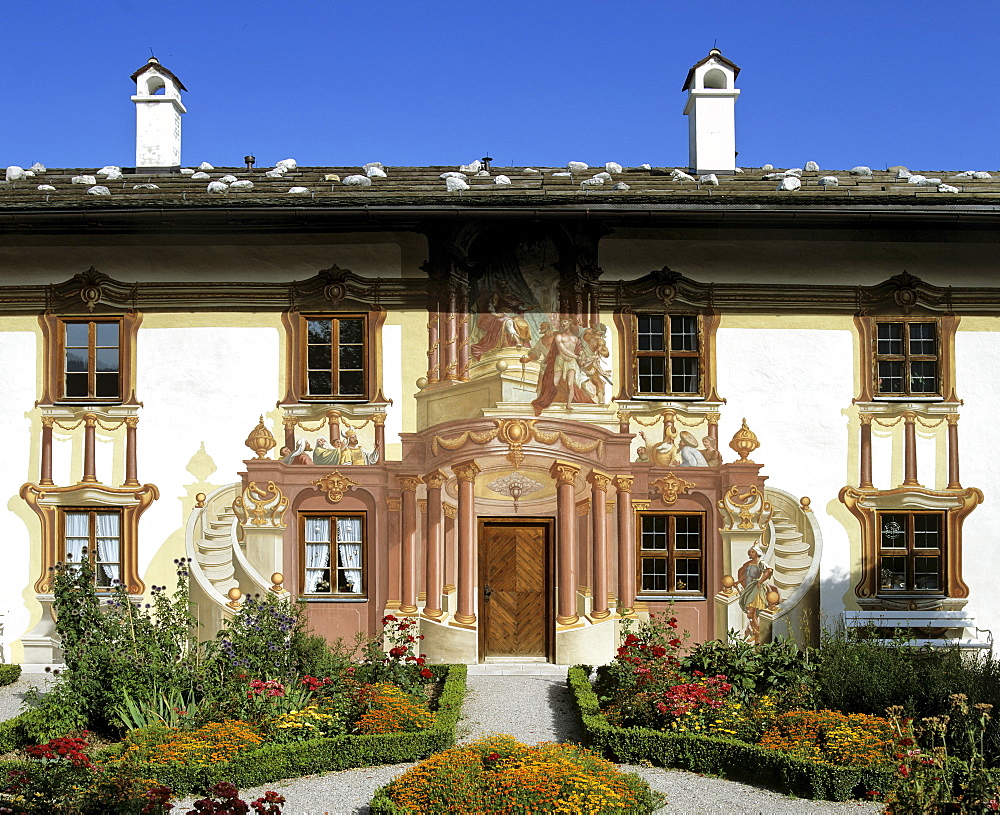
972 636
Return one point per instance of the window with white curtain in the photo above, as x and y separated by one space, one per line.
95 535
333 558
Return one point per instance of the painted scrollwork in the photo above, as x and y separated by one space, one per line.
261 507
747 511
515 433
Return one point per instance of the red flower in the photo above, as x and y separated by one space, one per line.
426 673
904 771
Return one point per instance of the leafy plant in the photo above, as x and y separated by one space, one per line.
399 663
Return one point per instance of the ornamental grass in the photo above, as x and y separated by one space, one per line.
847 740
497 774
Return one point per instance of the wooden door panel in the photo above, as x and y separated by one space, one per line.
513 565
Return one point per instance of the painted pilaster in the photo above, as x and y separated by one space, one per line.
626 546
466 473
599 535
408 542
565 477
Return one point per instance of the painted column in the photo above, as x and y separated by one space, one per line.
598 514
462 337
408 539
910 449
131 458
378 419
866 451
45 477
466 473
451 329
565 478
953 481
623 421
713 427
433 344
89 449
290 432
450 549
626 546
433 545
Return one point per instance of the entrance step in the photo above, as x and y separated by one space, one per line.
521 668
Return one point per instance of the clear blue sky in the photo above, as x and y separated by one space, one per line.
841 82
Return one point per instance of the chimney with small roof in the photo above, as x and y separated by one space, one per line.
711 112
158 110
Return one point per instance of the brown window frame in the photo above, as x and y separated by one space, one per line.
907 359
910 552
671 554
668 354
334 566
93 553
92 355
54 344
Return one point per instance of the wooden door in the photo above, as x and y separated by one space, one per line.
513 589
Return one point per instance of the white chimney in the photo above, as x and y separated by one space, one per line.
711 106
158 112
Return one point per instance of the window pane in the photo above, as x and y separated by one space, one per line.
652 375
893 530
684 374
650 333
890 338
76 335
351 357
107 335
892 574
107 386
684 333
923 377
922 339
320 383
76 359
687 532
320 332
927 531
352 383
318 357
654 574
76 385
107 359
687 574
654 532
890 377
927 573
352 331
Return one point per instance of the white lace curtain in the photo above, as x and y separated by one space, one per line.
317 555
349 552
108 537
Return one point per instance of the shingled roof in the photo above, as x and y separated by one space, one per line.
422 187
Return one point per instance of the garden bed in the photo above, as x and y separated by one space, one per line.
275 762
713 755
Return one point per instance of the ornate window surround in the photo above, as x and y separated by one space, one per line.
49 503
866 505
333 595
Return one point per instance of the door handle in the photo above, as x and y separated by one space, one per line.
487 591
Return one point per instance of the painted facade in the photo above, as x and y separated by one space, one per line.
520 416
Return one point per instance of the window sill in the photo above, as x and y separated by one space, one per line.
903 398
669 598
667 397
314 599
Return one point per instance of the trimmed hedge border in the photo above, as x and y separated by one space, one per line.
712 755
9 674
276 762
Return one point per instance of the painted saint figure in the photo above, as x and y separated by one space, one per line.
752 582
300 455
710 450
664 453
561 376
501 321
689 454
352 453
326 454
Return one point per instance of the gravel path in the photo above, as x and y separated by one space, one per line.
533 705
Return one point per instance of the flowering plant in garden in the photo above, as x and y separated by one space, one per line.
223 799
386 708
400 663
499 774
848 740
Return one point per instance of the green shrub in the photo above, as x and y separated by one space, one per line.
9 674
718 756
